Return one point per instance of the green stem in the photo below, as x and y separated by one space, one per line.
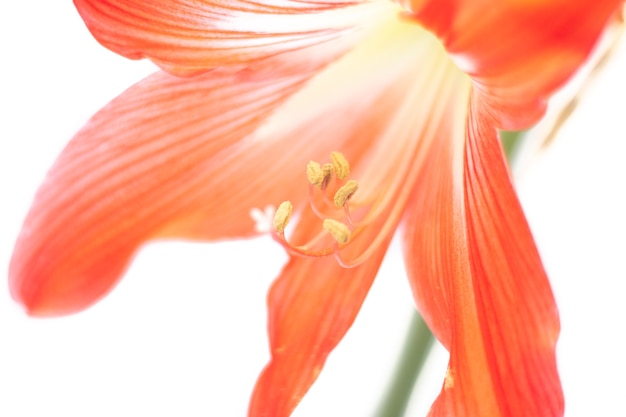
417 345
511 141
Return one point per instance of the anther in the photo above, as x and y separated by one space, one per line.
345 192
281 218
340 164
327 171
315 174
338 230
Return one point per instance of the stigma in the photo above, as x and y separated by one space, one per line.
329 200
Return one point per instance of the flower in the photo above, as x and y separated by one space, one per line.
261 89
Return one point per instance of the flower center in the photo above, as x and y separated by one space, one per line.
336 216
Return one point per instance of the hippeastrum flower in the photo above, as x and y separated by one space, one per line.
392 112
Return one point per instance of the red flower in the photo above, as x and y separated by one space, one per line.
268 87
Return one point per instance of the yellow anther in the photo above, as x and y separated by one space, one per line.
338 230
283 213
345 192
341 165
327 170
315 174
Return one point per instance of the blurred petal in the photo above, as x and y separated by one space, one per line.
311 306
478 279
170 157
518 52
190 36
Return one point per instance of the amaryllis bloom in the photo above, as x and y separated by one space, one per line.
364 118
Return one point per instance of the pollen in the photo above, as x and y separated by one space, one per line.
315 174
327 170
449 380
345 192
340 164
339 231
281 218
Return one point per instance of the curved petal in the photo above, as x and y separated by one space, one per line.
311 306
517 51
478 278
170 157
186 37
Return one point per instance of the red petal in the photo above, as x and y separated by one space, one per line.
190 36
478 279
518 52
164 159
311 306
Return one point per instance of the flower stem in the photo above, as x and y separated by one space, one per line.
510 141
418 342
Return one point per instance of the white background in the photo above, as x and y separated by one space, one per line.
184 333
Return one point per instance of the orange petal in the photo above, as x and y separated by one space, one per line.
517 51
165 159
189 36
311 306
478 279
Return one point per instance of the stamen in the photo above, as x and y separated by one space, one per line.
344 193
340 164
338 230
319 176
328 170
315 174
312 204
281 218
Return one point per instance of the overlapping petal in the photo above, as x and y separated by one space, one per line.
477 275
190 36
190 157
517 51
314 302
